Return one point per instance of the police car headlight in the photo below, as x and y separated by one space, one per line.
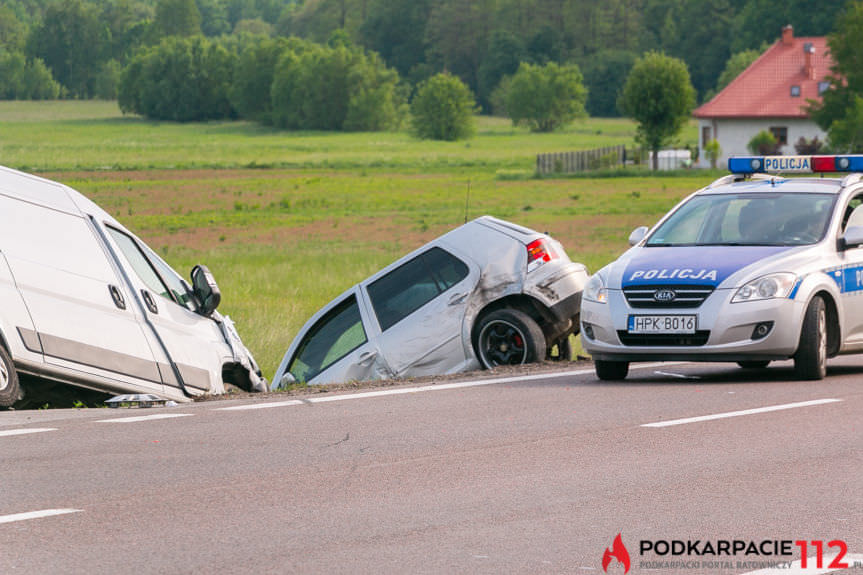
595 290
766 287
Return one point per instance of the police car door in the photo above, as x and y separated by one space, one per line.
851 282
191 341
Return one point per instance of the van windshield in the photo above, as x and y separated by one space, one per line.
747 219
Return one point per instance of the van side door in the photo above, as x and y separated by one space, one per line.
192 342
85 322
420 308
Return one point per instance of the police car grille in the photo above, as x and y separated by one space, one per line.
685 296
664 340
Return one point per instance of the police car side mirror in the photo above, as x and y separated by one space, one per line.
852 238
637 235
206 290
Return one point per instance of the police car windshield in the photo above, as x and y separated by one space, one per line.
747 219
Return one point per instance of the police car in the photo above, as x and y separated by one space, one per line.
753 268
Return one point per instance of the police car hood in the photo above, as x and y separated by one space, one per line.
694 265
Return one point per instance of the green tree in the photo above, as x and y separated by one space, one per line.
443 109
545 98
760 21
334 88
177 18
253 79
25 80
395 29
181 79
13 32
604 75
659 96
74 43
504 55
838 111
846 133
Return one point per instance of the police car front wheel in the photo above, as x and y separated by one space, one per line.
810 361
611 370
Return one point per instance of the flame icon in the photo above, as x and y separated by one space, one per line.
619 552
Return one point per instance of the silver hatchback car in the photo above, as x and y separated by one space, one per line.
485 294
753 268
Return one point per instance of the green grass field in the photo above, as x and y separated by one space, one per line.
287 221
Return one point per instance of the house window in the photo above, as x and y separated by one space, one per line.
781 134
823 87
705 136
795 91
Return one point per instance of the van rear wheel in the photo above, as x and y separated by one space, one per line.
10 389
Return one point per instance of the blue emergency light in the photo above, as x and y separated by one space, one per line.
785 164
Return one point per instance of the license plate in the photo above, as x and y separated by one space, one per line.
662 323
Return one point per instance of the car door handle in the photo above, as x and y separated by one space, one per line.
457 298
367 357
117 296
149 301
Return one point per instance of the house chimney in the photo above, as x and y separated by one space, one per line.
788 35
808 67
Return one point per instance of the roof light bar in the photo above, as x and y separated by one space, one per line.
785 164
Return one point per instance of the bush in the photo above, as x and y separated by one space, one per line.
443 109
546 97
712 151
25 80
764 144
253 79
334 88
181 79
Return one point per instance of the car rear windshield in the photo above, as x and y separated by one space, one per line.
747 219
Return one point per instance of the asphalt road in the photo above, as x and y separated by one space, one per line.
516 476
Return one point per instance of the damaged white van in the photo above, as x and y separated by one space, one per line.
84 302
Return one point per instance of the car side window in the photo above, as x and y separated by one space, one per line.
413 284
175 283
853 213
145 268
333 337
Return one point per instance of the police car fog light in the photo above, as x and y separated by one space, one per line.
588 330
762 330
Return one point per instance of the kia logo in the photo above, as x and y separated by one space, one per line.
664 295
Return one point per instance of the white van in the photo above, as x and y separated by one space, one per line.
85 302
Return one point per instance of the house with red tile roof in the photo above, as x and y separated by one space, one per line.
771 94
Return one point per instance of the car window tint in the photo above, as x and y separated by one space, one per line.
449 269
139 263
335 335
413 284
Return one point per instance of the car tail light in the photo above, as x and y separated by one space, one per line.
538 252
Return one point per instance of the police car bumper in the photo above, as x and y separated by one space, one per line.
718 330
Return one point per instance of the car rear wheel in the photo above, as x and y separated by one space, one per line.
611 370
10 389
753 364
810 361
508 337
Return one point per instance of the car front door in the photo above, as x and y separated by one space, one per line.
420 307
192 342
81 310
337 348
852 278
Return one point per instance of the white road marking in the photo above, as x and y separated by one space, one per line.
36 515
794 568
144 418
439 387
701 418
10 432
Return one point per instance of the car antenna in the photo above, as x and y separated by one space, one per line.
467 201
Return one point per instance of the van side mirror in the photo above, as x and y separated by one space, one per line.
852 238
206 290
637 235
